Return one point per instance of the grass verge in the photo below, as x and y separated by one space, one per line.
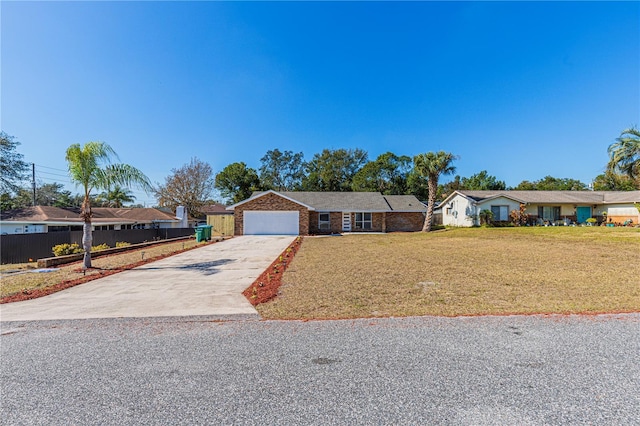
474 271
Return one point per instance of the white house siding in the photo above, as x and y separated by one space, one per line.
565 209
21 228
619 213
618 210
500 201
459 211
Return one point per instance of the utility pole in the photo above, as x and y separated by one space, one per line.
33 182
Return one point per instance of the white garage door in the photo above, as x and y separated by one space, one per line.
271 222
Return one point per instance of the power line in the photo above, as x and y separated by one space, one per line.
50 179
51 168
52 174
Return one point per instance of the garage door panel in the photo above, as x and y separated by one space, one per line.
271 222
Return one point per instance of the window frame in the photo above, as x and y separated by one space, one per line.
361 221
500 208
324 225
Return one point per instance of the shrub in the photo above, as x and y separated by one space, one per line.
519 217
122 244
65 249
486 217
102 246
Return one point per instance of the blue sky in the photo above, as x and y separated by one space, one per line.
520 89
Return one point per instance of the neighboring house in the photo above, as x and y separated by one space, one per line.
41 219
462 208
219 218
304 213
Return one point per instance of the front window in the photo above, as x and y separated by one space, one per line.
500 213
549 212
363 220
324 223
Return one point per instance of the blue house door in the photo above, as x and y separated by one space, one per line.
583 213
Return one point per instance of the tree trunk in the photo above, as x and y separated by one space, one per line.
431 200
87 240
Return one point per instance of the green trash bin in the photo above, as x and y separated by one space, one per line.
207 232
199 234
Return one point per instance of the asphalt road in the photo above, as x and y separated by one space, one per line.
459 371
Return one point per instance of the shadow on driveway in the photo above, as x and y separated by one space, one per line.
206 268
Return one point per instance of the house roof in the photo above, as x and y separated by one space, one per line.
213 209
50 214
341 201
557 197
405 203
347 201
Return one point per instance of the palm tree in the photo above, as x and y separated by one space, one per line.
624 154
90 167
431 165
116 197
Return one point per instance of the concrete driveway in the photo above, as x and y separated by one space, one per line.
202 282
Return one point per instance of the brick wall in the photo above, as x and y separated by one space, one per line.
335 223
271 202
404 222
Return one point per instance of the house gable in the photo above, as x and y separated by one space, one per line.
270 201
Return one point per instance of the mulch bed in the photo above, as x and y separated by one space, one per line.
266 286
54 288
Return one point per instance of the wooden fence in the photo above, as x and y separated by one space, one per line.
222 224
20 248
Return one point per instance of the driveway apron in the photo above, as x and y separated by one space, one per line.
207 281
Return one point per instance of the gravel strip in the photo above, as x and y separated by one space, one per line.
428 370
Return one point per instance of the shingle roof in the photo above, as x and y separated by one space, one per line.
405 203
72 215
213 209
349 201
559 197
341 201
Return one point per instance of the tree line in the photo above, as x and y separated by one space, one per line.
195 184
92 167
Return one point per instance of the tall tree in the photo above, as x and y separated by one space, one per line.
90 167
333 170
236 182
282 171
48 194
12 168
431 165
550 183
448 188
611 181
386 174
116 197
624 154
190 186
482 181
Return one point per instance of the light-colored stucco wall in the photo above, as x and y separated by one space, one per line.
499 201
21 228
459 211
565 209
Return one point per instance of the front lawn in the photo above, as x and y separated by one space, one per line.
463 272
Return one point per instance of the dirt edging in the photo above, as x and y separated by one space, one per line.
266 286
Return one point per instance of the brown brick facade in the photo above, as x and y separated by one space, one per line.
308 220
271 202
335 223
405 222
